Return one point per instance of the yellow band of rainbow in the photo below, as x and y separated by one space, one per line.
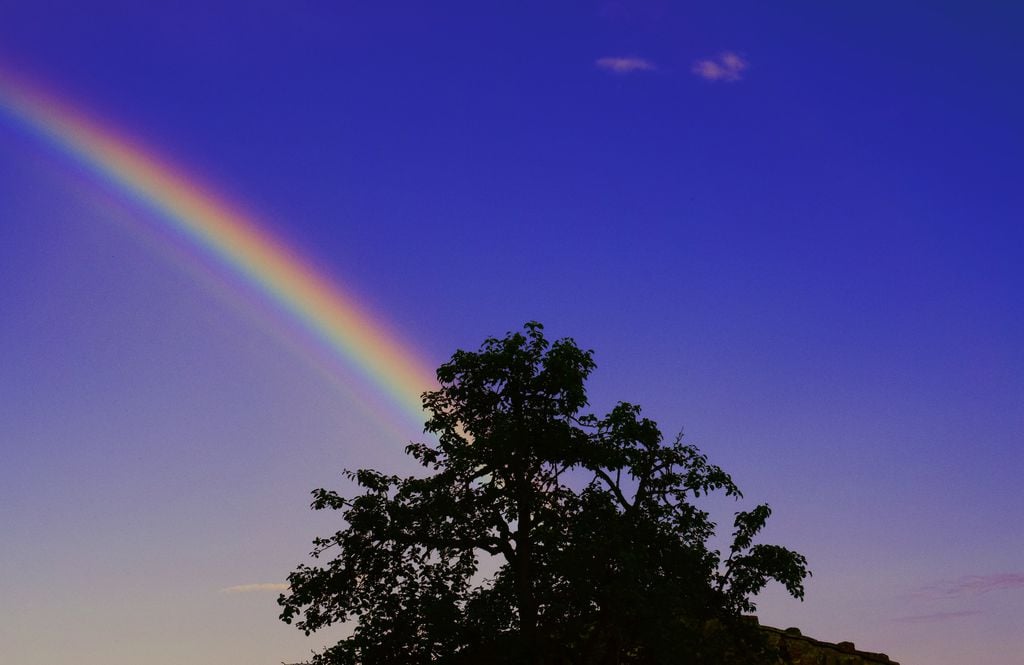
211 226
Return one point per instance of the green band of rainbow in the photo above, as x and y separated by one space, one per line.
232 239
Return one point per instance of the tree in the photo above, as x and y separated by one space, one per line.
537 534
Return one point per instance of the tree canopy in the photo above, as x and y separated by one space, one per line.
537 533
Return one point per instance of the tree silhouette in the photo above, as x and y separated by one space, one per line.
537 534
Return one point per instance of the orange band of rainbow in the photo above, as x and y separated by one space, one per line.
331 317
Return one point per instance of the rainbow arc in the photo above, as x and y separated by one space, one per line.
208 224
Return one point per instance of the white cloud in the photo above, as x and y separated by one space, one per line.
973 585
727 66
937 616
246 588
624 64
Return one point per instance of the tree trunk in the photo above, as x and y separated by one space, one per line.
524 573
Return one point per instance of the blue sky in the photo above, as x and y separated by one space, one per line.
792 231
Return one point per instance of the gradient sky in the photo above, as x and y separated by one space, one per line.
794 232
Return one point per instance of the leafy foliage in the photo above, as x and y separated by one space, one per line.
538 534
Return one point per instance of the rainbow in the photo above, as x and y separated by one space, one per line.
220 232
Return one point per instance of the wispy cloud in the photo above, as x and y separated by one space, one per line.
247 588
726 66
624 64
936 616
972 585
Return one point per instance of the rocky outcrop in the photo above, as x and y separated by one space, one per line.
798 649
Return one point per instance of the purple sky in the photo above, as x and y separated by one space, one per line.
794 233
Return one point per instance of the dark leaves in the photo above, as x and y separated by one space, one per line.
539 534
